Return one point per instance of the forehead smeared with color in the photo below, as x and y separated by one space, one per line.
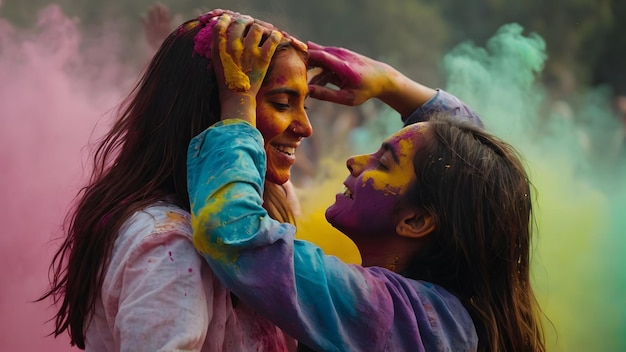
409 139
402 145
416 130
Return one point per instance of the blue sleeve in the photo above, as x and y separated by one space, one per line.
443 103
324 303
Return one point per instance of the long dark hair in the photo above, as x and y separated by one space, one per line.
475 186
141 160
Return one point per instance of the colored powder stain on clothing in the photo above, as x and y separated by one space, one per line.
229 122
176 217
207 220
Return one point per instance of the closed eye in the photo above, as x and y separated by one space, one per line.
381 166
280 106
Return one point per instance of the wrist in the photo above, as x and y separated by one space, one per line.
405 95
240 106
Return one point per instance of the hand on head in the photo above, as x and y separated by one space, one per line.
240 60
357 77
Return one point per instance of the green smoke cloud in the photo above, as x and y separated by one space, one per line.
575 156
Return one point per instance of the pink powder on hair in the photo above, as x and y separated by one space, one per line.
203 40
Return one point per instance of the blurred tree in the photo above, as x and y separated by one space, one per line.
610 65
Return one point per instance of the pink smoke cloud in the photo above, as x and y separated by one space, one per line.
54 101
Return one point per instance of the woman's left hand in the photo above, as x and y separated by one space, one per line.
240 62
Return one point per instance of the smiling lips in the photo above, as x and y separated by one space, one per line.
346 192
285 149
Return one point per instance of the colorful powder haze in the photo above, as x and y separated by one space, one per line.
56 96
578 171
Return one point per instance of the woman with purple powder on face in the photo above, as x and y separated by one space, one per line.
441 214
127 276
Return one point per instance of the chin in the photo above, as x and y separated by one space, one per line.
333 217
277 178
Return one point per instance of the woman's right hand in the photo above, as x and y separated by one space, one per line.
359 78
240 63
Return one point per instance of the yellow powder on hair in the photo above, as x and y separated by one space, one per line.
191 25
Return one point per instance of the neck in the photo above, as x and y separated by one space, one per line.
390 253
391 262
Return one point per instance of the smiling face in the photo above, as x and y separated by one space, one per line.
376 183
281 114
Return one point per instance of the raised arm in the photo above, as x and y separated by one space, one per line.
317 299
355 78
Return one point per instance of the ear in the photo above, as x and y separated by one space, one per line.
415 223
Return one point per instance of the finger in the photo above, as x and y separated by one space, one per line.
313 45
152 14
236 35
219 42
247 18
237 27
206 17
264 24
334 96
296 43
320 58
254 36
341 53
268 48
161 11
227 68
323 78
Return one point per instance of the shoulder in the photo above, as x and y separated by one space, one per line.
441 320
160 217
447 318
159 224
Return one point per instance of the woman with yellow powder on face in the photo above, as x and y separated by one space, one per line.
441 214
127 276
